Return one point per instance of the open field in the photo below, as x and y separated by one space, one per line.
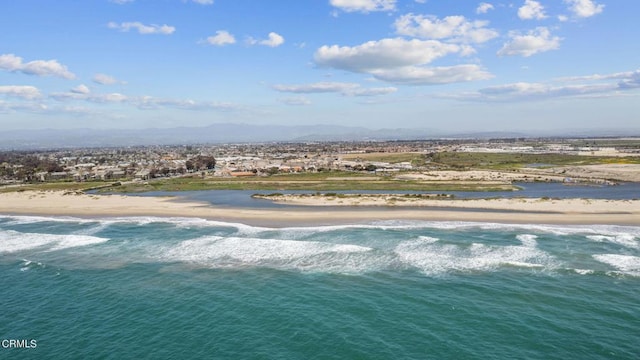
504 161
415 158
318 181
62 185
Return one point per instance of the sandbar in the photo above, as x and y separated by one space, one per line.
518 210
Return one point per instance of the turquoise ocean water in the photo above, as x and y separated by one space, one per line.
154 288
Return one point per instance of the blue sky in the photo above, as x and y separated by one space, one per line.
449 65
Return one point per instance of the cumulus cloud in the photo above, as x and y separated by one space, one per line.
401 61
418 75
483 8
364 6
531 10
104 79
274 40
142 28
535 41
13 63
385 53
20 91
584 8
221 38
347 89
81 89
455 28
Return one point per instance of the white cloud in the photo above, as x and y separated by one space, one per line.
531 10
371 91
364 6
401 61
105 79
120 2
11 62
21 91
347 89
589 86
385 53
221 38
108 98
320 87
94 98
34 107
584 8
418 75
274 40
81 89
535 41
143 29
596 77
483 8
296 101
148 102
455 28
562 18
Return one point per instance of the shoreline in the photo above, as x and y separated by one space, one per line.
516 211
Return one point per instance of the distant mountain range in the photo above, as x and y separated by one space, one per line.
245 133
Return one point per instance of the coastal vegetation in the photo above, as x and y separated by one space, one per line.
502 161
425 166
324 181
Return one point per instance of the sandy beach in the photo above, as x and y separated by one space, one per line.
537 211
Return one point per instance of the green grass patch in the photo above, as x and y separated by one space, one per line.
501 161
296 183
56 186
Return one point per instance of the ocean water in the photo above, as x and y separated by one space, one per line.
173 288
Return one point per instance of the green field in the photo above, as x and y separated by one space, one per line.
502 161
325 181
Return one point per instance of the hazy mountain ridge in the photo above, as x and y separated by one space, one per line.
246 133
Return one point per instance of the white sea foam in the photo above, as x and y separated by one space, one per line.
216 251
436 258
626 240
606 230
528 240
28 265
428 239
626 264
583 271
13 241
